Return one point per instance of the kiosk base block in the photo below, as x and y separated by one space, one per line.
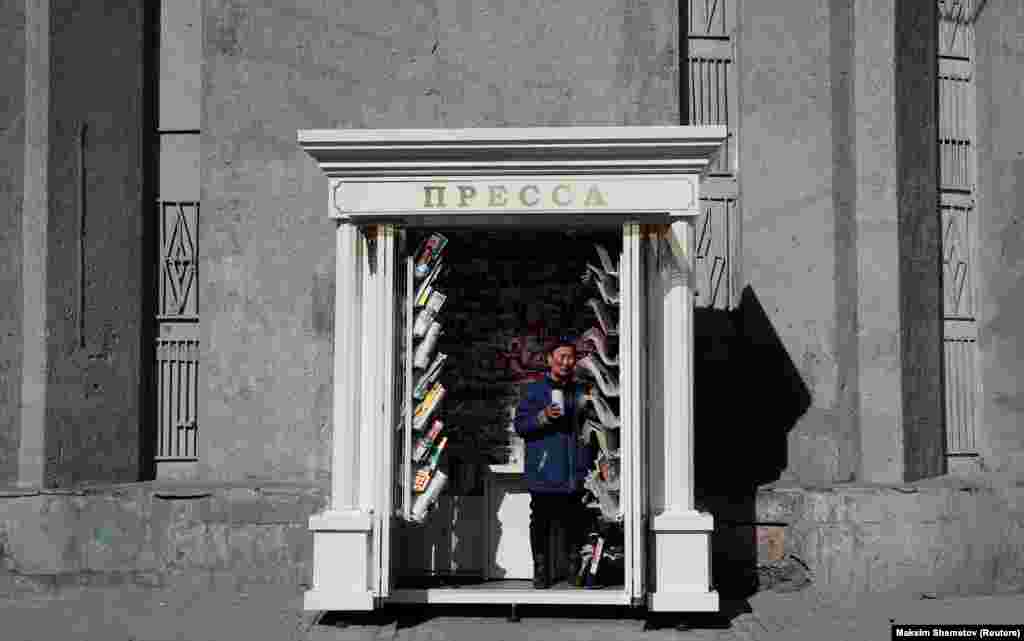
341 561
682 562
338 601
683 601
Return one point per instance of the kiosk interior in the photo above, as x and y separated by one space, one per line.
474 322
458 253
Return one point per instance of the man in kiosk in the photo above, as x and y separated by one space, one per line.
556 460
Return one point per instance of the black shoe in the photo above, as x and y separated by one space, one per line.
541 577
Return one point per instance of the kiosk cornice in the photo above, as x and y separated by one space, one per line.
579 151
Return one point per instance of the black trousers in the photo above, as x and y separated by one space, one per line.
566 509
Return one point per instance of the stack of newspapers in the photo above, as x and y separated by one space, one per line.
429 479
600 369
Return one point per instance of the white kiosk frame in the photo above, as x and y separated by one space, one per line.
645 179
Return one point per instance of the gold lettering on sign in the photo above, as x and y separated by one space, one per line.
536 194
559 201
466 194
594 198
499 196
428 201
530 195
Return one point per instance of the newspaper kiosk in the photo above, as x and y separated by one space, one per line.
386 186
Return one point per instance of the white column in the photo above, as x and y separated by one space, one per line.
342 534
681 534
672 325
366 385
347 361
683 494
374 419
377 478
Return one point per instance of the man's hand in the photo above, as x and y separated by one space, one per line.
553 411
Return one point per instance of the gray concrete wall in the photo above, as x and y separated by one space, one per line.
12 165
93 399
935 537
796 249
856 539
265 241
818 188
1000 253
838 214
149 533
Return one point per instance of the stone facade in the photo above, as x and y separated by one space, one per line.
821 334
856 539
150 533
925 539
271 71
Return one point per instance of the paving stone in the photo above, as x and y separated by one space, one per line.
209 607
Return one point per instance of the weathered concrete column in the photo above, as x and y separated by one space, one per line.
839 227
35 217
798 237
1000 252
919 231
14 108
877 241
899 295
80 245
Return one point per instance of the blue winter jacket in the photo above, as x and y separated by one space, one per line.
556 461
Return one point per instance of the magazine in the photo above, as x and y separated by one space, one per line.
426 288
428 377
428 255
428 406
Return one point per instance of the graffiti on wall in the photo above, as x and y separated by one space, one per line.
523 360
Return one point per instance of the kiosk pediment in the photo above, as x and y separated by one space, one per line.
383 174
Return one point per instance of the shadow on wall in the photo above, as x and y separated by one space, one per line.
749 394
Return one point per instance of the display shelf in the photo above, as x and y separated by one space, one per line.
422 370
408 401
600 370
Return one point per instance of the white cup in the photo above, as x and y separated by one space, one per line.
558 398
